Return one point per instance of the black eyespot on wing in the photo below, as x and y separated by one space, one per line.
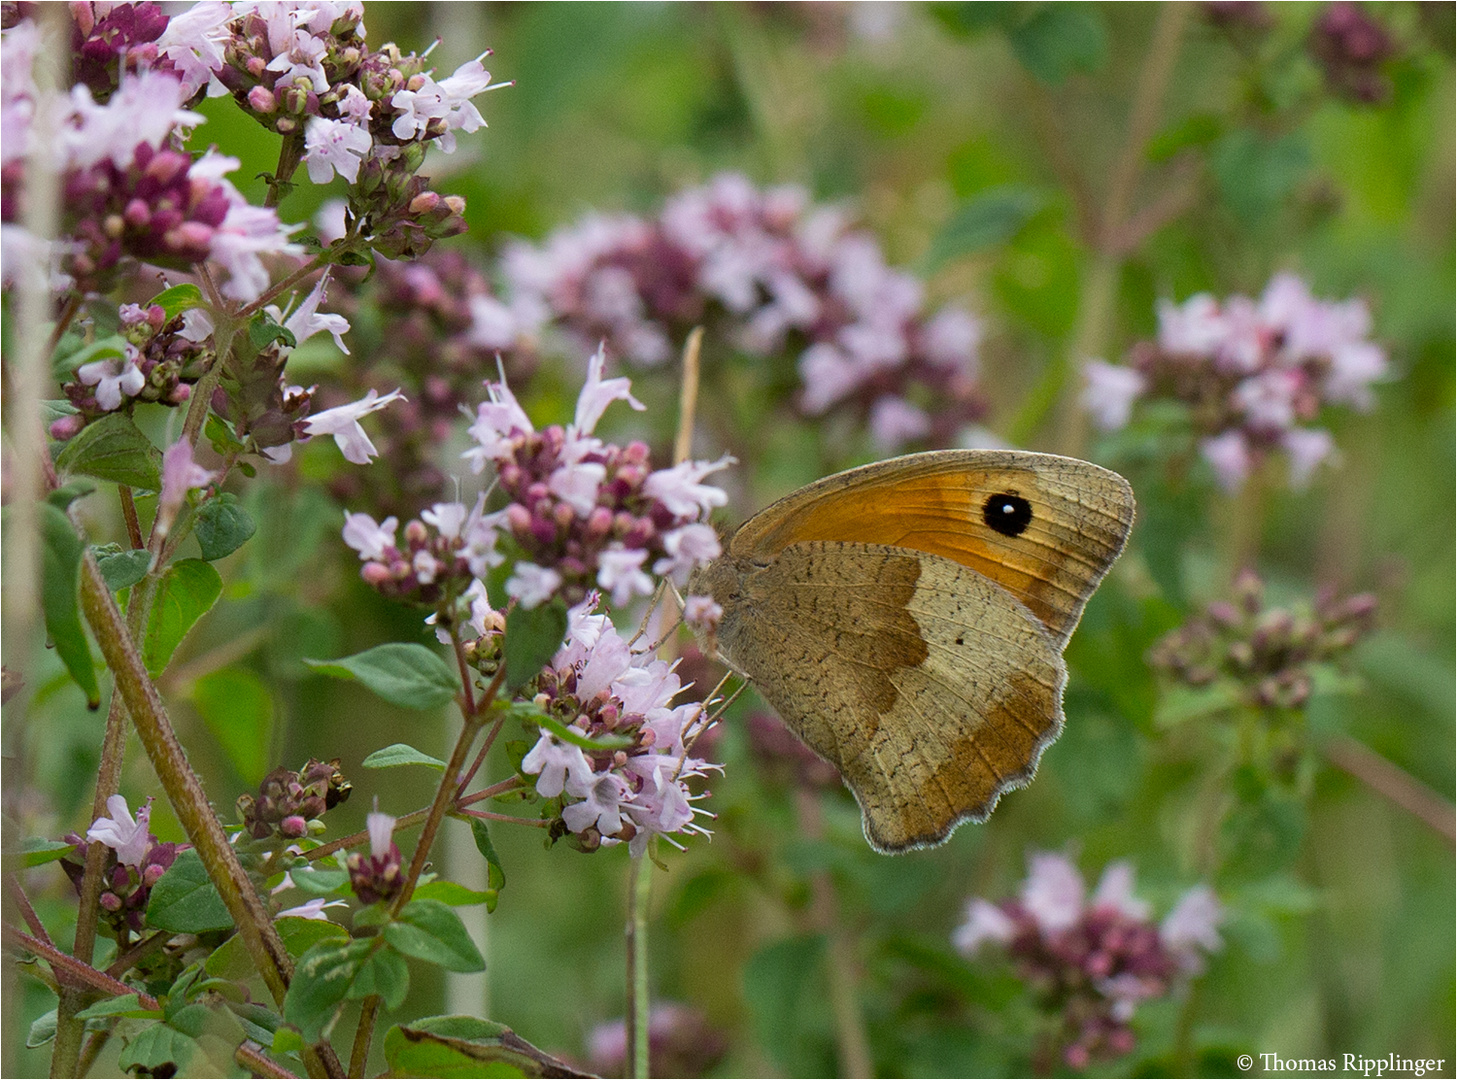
1007 514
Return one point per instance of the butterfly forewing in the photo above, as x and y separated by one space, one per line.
1045 528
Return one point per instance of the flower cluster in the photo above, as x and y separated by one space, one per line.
623 757
127 190
443 553
587 514
779 277
288 801
439 330
1268 651
1352 48
1251 373
681 1042
136 862
1092 961
304 71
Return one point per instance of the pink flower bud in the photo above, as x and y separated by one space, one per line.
153 874
423 203
137 214
67 427
261 100
256 66
293 827
374 574
110 901
599 522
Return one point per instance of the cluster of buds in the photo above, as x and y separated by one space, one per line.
377 876
681 1042
1352 48
785 758
1268 652
136 861
587 514
776 276
304 71
290 803
622 773
1251 374
443 554
1090 962
159 363
107 39
440 329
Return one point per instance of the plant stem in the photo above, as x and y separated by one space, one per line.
639 1008
363 1036
70 970
415 817
1394 784
129 512
260 1064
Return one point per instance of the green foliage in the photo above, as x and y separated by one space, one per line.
429 930
60 600
222 526
401 754
186 592
113 449
185 900
121 567
238 709
402 673
532 636
465 1046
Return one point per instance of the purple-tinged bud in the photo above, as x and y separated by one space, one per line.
543 530
1223 613
285 126
416 534
137 214
67 427
1249 590
256 66
374 574
261 100
180 393
636 452
423 203
1241 654
564 515
415 82
455 204
599 522
519 518
110 901
293 827
167 166
648 738
153 874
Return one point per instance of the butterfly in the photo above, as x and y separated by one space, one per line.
907 621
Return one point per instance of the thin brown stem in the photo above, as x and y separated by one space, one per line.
27 912
486 815
443 800
364 1035
252 1058
1393 783
273 292
70 970
688 396
64 319
410 820
140 951
129 512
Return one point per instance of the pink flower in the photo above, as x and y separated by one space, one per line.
129 838
680 490
332 146
1193 925
1111 392
894 421
598 393
1307 448
602 796
984 922
180 474
688 547
343 423
702 613
1195 327
620 573
1115 890
311 909
1229 454
115 378
532 585
369 539
1053 892
554 761
305 321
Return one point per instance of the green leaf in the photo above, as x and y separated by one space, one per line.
972 16
220 434
464 1046
222 526
264 330
429 930
177 299
111 347
576 738
66 494
287 1041
321 982
1179 703
187 590
231 959
113 449
495 872
160 1047
60 586
448 892
185 901
400 754
992 217
1256 174
42 1031
125 1005
121 567
238 710
402 673
532 637
1059 40
37 851
384 972
320 882
781 983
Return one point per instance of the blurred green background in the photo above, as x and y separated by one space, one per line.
1013 117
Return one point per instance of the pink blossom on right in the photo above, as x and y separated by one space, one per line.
1092 960
1252 374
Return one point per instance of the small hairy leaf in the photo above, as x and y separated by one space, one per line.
113 448
403 674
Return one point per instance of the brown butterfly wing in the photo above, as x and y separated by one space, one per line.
929 687
945 503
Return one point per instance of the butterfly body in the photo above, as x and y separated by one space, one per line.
907 619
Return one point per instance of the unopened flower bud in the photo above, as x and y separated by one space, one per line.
261 100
